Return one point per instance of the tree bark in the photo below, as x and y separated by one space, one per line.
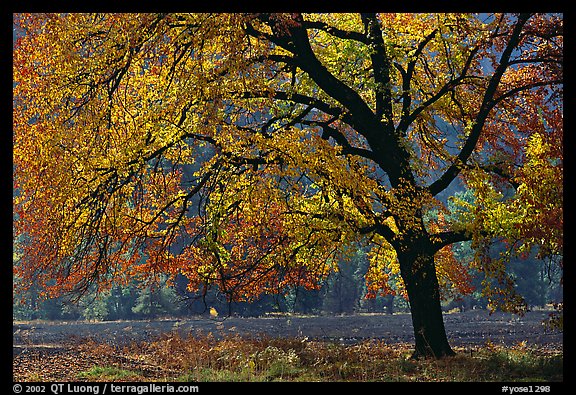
419 274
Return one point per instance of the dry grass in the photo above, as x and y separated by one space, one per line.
235 358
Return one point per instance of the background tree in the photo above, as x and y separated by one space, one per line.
307 133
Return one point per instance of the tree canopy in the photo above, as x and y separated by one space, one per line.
247 151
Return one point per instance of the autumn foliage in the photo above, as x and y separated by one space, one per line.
249 151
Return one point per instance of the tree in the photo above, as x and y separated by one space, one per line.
308 133
343 289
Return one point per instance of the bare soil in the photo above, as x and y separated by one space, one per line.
475 327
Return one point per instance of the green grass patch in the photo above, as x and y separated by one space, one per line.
108 373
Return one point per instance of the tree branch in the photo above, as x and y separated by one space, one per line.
514 91
301 99
343 34
487 104
442 239
447 87
407 81
347 148
493 168
380 67
361 116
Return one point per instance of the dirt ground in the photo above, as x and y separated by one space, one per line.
61 351
473 327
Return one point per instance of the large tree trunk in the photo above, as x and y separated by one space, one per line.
419 274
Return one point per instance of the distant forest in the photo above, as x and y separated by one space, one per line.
344 292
